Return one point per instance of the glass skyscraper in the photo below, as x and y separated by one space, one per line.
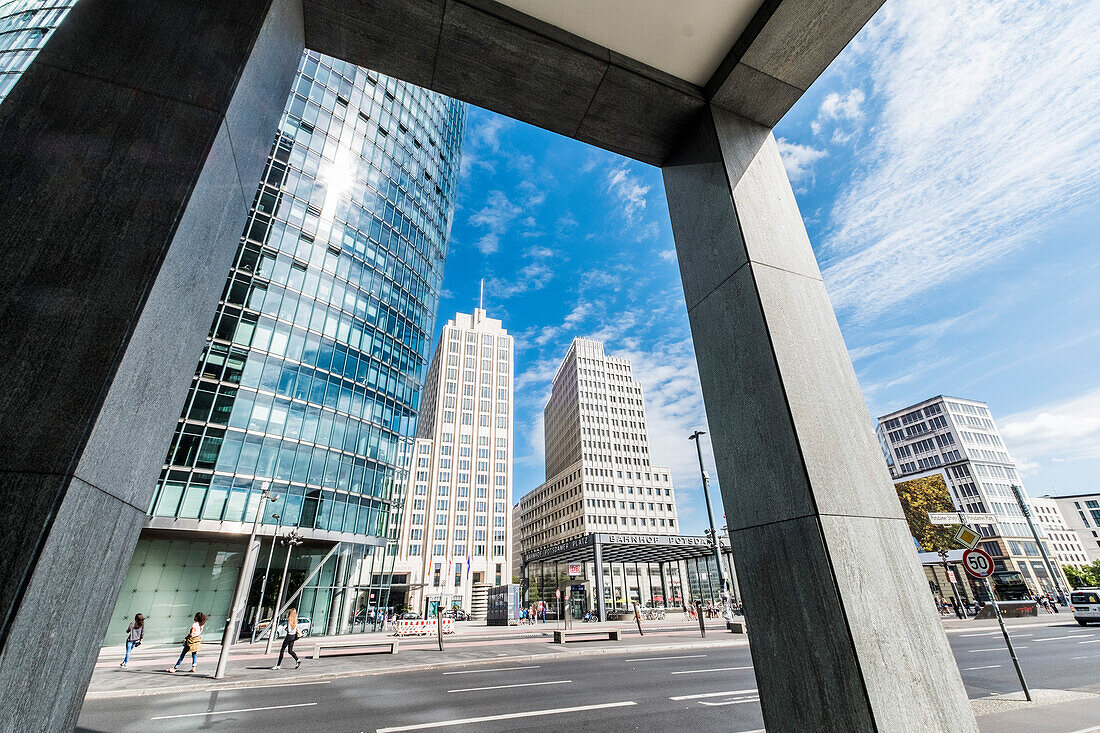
311 376
25 25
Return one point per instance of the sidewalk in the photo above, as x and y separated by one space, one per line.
470 644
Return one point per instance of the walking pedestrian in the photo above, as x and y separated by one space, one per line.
135 632
289 639
192 643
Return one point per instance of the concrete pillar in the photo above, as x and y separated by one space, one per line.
132 147
664 585
844 637
601 607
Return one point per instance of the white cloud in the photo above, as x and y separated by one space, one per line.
496 215
668 255
1064 431
487 133
534 276
837 106
538 252
628 189
988 133
798 160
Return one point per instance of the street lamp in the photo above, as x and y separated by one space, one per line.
243 579
710 516
267 571
291 540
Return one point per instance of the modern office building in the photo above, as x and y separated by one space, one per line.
604 510
25 26
311 378
1081 513
454 540
960 436
1068 546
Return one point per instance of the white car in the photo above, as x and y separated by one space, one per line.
303 627
1086 605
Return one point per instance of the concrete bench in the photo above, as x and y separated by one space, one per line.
560 637
353 643
736 627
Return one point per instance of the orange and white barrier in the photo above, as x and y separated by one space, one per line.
422 627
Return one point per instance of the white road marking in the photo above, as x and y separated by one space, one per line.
661 659
506 716
239 710
988 666
1087 656
727 693
716 669
506 687
495 669
729 702
1090 641
994 649
1093 729
1051 638
984 633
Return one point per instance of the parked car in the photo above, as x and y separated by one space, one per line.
457 614
1086 605
409 616
304 627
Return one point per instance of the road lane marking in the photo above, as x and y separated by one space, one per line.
239 710
984 633
1051 638
661 659
1091 641
988 666
994 649
497 669
1093 729
1087 656
506 716
729 702
727 693
505 687
716 669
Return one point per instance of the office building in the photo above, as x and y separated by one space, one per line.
604 523
959 438
455 533
25 26
1081 513
311 376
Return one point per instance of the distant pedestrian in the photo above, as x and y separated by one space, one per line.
289 639
135 632
192 643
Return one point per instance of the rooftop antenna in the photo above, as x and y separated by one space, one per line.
481 299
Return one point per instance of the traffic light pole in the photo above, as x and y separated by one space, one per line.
1035 533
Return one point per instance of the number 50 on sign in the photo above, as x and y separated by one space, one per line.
978 563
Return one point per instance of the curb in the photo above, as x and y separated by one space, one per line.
246 684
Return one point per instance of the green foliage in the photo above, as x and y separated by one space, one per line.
1083 576
918 497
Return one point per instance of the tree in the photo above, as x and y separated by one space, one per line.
1084 576
918 497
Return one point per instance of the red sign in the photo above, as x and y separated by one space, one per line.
978 563
557 593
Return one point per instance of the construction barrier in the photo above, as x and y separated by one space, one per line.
422 627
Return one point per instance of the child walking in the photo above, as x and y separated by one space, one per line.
135 632
289 639
192 643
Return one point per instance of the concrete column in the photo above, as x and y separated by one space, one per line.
601 607
844 637
132 148
664 585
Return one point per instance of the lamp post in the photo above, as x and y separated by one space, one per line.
267 571
710 517
243 579
291 540
1035 533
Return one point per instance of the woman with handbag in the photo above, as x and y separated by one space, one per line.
192 643
289 639
134 634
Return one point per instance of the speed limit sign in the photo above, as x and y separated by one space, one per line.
978 563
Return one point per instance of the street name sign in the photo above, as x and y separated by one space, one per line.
967 537
944 518
978 563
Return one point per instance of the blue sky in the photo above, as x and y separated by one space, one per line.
947 166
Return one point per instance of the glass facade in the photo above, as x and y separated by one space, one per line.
311 376
312 372
25 26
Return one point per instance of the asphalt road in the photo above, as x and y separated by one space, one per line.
678 690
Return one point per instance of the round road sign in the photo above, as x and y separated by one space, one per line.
978 563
